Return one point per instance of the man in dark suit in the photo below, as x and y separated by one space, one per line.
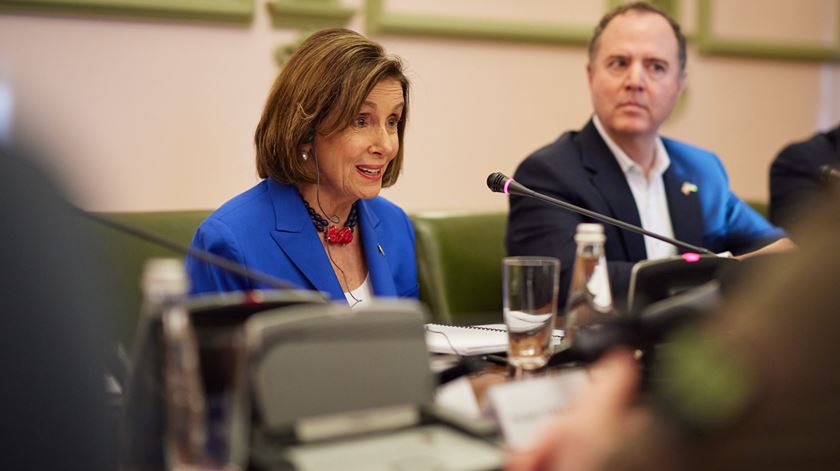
795 179
619 166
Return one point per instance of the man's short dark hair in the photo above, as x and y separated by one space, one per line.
638 7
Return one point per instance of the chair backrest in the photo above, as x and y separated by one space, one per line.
127 255
760 207
459 260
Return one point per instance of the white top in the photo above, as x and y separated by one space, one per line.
363 294
649 193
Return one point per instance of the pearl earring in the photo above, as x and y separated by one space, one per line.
305 156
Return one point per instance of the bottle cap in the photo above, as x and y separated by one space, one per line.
165 276
590 227
590 233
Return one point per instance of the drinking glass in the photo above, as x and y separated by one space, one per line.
529 294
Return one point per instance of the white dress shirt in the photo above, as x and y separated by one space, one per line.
361 295
648 192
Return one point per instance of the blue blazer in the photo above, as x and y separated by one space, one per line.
268 229
579 168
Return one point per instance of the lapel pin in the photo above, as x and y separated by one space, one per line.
380 249
688 187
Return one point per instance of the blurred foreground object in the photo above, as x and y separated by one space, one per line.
757 388
800 176
52 336
754 387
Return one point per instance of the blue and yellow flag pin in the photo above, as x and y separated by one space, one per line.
688 187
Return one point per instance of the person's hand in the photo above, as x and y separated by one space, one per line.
584 436
782 245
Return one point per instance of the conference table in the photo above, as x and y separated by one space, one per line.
334 357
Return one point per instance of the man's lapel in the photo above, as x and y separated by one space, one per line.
608 178
683 203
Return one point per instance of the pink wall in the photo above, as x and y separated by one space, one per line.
141 115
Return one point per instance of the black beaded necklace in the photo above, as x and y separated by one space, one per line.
332 234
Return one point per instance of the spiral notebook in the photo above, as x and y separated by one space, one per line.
472 339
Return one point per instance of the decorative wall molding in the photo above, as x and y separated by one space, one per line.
239 11
309 14
671 7
381 20
285 50
711 44
306 16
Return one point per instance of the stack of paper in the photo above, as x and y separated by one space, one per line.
470 340
464 340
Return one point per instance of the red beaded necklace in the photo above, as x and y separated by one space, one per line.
332 234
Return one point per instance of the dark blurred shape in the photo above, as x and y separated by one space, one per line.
756 387
655 280
829 175
801 177
666 295
644 330
52 334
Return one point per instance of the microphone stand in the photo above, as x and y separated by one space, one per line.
499 183
199 254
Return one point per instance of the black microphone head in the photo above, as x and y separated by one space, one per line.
496 182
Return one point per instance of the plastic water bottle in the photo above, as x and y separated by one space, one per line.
165 289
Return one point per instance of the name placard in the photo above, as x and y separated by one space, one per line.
522 407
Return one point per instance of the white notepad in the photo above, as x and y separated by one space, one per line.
471 340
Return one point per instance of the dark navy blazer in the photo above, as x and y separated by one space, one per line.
794 176
268 229
579 168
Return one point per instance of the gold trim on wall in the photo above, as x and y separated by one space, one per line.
309 14
710 44
381 20
241 11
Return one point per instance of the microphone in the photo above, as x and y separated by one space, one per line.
199 254
499 183
643 330
828 174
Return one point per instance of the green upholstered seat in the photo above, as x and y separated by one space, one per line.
760 207
459 259
127 254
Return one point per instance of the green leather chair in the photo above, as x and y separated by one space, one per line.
760 207
127 254
459 265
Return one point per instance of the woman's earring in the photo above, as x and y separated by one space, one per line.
304 156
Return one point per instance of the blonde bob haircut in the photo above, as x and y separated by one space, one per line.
320 90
